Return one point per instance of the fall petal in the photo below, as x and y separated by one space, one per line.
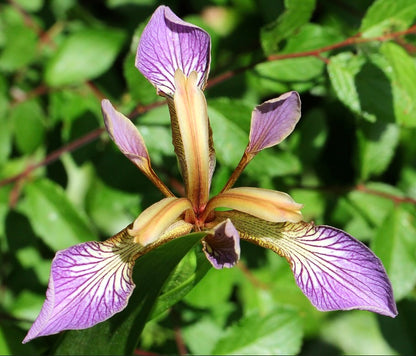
222 248
273 121
333 269
169 43
88 284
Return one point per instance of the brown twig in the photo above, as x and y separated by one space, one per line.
396 199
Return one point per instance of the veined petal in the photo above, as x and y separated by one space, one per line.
333 269
222 247
157 218
169 43
273 121
88 284
125 135
265 204
192 138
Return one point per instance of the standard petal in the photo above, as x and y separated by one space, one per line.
333 269
222 247
273 121
88 284
167 44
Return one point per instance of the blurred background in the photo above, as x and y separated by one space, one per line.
351 160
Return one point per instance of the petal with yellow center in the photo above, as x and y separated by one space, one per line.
192 138
265 204
156 219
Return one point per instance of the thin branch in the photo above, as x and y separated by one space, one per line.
396 199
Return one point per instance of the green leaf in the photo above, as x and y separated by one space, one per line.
111 209
374 208
395 244
273 163
119 335
186 275
84 55
140 89
19 47
342 70
356 333
29 130
297 13
403 83
279 332
30 5
53 217
387 16
229 139
5 132
377 143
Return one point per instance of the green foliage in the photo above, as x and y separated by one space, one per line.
350 161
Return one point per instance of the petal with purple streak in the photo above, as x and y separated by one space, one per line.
169 43
273 121
89 283
125 135
337 272
333 269
222 248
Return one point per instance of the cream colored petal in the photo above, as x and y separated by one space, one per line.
155 220
265 204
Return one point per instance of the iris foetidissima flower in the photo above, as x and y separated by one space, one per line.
92 281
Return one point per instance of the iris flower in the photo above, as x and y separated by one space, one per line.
92 281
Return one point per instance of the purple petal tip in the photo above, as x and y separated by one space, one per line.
169 43
338 272
273 121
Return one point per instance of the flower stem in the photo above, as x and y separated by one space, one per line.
244 161
150 173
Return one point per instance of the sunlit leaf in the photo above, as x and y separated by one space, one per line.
53 217
276 333
99 48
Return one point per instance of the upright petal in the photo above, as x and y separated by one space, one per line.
273 121
192 138
128 139
333 269
88 284
222 246
167 44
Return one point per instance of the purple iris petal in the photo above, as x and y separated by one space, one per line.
167 44
88 284
124 134
223 247
273 121
337 272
